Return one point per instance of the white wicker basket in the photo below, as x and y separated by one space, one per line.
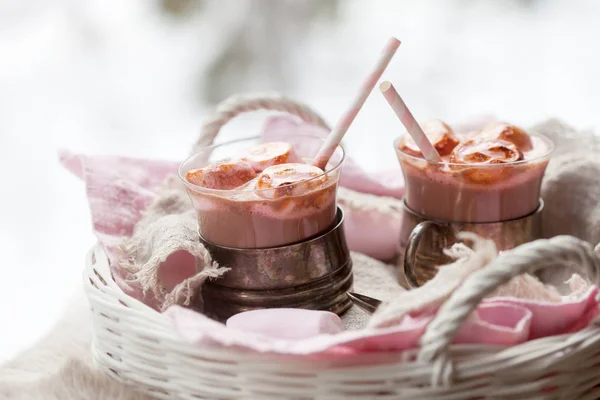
137 345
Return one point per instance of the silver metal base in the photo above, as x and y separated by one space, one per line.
423 240
313 274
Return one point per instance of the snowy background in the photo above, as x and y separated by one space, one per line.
137 77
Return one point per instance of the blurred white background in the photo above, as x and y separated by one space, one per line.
137 77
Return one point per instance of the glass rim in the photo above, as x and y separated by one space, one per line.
549 142
212 147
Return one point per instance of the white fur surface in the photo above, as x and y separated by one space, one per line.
59 367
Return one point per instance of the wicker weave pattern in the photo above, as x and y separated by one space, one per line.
135 344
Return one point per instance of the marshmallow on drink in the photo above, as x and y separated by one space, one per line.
485 152
267 154
439 134
289 180
224 175
510 133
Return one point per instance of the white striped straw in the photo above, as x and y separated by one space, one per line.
409 122
335 136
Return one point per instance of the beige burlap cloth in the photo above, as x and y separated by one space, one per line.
59 366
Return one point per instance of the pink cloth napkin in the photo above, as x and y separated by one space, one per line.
549 319
498 321
118 190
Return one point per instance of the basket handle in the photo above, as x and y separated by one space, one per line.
240 104
564 251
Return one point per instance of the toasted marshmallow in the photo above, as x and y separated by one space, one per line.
484 153
439 134
224 175
267 154
289 180
510 133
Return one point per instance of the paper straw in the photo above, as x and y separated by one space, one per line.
409 122
335 136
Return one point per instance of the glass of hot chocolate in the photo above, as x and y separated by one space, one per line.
488 182
269 215
249 194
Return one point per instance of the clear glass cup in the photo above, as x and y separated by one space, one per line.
253 218
475 193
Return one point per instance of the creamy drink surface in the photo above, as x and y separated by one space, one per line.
480 191
246 220
252 216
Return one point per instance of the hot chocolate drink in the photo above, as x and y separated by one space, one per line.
490 175
267 195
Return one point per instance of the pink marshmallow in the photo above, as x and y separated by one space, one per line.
287 323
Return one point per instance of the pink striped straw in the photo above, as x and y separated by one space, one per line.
409 122
335 136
